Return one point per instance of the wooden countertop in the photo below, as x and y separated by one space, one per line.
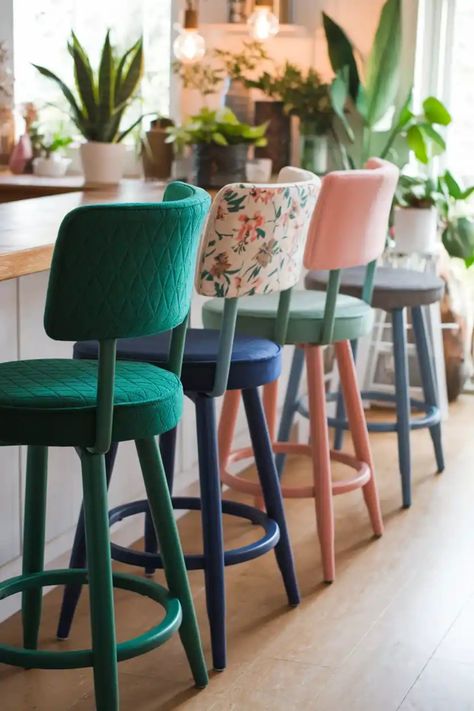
28 228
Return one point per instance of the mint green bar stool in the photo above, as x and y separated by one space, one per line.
118 271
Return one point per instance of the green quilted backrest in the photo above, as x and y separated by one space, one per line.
125 270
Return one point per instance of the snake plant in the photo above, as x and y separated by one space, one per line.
101 97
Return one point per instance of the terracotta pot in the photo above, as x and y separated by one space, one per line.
102 163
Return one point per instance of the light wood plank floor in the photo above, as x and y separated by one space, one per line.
395 631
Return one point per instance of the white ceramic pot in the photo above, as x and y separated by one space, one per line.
416 230
54 166
102 163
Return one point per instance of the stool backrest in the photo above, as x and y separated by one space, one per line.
125 270
255 236
253 244
349 227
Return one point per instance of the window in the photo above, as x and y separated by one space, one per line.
42 30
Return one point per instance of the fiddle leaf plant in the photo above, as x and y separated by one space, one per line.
101 98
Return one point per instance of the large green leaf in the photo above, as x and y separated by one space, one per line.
338 92
106 80
416 143
76 115
84 78
129 76
341 53
436 112
383 65
458 239
435 140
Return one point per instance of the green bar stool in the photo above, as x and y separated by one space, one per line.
118 271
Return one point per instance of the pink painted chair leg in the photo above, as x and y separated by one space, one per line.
321 458
227 425
358 428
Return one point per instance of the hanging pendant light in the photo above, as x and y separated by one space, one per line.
189 46
263 23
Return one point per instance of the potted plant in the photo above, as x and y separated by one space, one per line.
99 105
236 67
415 216
157 154
220 144
456 218
51 162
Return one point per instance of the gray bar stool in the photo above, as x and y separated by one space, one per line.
395 291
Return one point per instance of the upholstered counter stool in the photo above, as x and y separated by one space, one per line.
253 242
117 271
395 291
349 227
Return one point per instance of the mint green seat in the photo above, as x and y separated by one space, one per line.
256 316
118 271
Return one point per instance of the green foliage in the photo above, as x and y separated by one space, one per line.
55 143
220 127
303 94
419 192
236 65
101 98
199 75
357 104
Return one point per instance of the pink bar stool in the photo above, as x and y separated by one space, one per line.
348 229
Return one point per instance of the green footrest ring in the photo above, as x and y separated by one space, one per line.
43 659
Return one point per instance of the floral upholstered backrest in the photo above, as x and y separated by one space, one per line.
255 236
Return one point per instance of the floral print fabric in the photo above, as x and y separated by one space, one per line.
255 238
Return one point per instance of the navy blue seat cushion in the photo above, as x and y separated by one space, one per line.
255 361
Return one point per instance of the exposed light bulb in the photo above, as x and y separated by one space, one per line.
189 46
263 23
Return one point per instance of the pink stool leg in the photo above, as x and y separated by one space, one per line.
227 425
358 428
321 458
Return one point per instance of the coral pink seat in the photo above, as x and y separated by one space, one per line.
348 229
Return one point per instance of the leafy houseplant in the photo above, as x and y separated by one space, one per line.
457 225
220 145
369 120
98 106
51 161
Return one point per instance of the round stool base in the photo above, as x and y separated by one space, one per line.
44 659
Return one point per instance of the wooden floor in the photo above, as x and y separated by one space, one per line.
395 631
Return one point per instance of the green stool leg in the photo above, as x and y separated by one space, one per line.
99 564
171 552
33 540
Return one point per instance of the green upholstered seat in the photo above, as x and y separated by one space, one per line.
257 314
53 402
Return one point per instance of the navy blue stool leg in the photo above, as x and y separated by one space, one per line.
270 488
402 401
72 593
167 450
427 378
211 512
289 406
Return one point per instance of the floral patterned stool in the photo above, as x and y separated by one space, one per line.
348 229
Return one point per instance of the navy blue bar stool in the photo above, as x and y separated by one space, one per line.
395 291
213 361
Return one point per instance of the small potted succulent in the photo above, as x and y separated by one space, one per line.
99 105
220 145
51 162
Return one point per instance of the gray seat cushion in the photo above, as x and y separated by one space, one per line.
394 288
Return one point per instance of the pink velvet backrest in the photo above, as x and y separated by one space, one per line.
255 236
349 224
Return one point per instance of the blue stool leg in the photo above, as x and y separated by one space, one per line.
167 450
211 512
402 401
271 488
289 406
72 593
427 378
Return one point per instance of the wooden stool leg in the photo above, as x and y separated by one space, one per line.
78 558
213 538
358 428
289 405
402 386
99 564
427 378
270 484
227 425
33 540
174 566
321 458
